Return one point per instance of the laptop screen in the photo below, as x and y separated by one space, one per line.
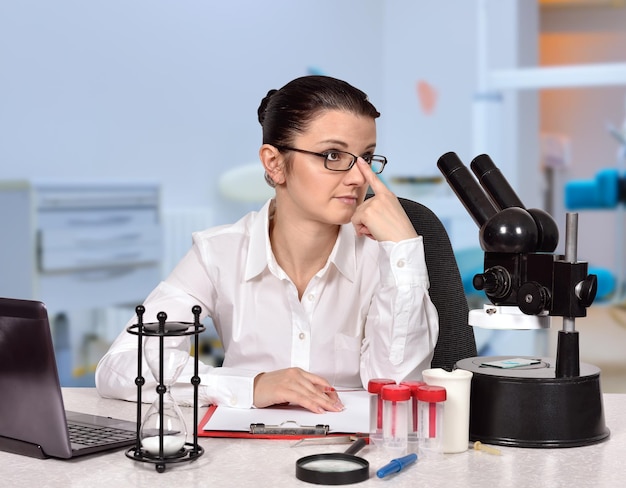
31 406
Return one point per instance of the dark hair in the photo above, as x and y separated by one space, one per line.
285 112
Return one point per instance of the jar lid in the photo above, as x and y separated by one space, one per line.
413 385
395 393
374 385
431 393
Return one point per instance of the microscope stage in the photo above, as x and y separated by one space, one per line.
529 406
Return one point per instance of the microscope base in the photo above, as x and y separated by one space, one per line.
530 407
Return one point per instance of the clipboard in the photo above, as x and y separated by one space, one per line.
288 422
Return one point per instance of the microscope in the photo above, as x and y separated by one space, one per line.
537 402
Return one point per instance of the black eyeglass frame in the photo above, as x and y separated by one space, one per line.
367 158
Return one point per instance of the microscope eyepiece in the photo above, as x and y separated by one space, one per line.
494 182
466 188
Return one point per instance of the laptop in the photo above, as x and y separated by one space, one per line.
33 420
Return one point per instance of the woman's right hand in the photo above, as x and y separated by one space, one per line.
294 385
381 217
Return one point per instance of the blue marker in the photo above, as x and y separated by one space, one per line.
396 465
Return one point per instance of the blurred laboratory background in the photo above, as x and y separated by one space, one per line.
127 125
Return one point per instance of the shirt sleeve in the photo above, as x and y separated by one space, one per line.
402 325
117 370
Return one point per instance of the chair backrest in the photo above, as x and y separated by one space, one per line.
456 337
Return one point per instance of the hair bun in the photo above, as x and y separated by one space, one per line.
263 106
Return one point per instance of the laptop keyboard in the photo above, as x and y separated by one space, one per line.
93 435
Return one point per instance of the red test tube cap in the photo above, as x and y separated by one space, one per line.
396 393
431 393
413 385
375 385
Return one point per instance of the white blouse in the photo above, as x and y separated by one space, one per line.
366 314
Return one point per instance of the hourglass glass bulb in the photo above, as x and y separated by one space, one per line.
174 428
175 356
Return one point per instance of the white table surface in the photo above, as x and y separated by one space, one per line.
271 463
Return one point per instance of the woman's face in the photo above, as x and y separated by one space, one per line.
317 193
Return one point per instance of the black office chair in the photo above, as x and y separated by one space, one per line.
456 337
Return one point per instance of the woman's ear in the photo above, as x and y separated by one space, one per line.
273 162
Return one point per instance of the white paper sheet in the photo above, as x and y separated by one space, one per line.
353 419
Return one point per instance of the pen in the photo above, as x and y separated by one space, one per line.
396 465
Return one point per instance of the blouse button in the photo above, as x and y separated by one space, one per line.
311 297
400 263
302 336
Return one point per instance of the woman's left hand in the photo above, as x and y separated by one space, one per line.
381 217
294 385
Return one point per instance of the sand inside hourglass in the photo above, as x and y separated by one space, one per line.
171 444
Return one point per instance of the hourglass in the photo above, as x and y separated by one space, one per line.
162 433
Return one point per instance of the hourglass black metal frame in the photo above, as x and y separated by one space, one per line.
190 451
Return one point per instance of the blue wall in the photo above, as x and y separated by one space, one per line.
163 90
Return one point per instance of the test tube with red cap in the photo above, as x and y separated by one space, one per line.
396 406
413 440
376 408
430 407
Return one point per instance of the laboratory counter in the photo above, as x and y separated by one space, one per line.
251 463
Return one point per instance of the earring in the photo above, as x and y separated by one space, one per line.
269 180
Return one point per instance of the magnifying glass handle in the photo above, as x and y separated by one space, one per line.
356 446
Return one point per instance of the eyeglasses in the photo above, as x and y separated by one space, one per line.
342 160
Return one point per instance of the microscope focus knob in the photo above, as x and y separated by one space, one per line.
533 298
496 281
586 290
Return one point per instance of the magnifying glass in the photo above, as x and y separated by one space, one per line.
339 468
